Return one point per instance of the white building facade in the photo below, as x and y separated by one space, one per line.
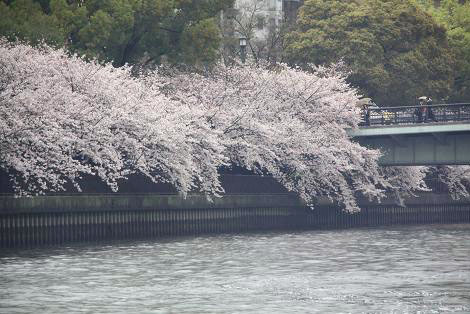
259 17
260 22
265 15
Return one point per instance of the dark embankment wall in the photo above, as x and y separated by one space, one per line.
252 203
50 220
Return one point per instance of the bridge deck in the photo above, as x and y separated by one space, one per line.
406 140
384 130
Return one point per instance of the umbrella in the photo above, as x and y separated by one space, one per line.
363 102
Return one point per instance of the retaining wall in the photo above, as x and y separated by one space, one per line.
51 220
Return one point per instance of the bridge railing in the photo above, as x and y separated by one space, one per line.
416 114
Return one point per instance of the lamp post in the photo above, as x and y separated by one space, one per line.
243 48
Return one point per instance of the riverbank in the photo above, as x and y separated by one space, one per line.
53 220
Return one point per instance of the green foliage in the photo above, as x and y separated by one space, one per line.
120 31
200 42
455 16
395 50
25 20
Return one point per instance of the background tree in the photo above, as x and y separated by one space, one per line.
121 31
26 20
454 15
394 50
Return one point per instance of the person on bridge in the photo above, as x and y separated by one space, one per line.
424 111
364 105
430 113
420 112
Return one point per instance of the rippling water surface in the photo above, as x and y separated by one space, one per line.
423 269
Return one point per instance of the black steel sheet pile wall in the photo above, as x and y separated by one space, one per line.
24 223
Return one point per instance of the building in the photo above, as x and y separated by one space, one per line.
257 19
262 23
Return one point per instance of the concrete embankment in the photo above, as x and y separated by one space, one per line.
57 219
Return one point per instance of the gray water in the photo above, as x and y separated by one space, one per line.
421 269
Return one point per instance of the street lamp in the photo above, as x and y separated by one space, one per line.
243 48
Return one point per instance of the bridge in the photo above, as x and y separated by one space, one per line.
418 135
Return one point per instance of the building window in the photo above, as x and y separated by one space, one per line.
260 22
272 22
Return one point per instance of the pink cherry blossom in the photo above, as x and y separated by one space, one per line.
62 117
291 124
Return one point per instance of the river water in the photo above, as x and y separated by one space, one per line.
414 269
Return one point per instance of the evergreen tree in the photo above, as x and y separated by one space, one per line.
394 49
120 31
454 15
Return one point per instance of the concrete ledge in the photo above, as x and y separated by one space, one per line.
422 198
120 202
123 202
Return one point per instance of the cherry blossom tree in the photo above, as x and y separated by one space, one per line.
62 117
402 182
457 180
292 125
